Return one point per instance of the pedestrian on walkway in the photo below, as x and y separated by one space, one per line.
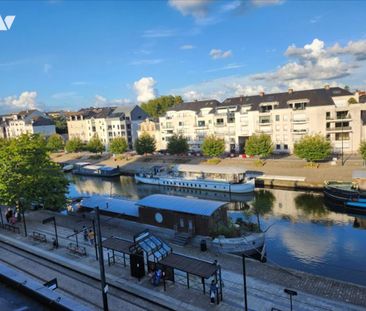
91 237
85 233
9 215
213 291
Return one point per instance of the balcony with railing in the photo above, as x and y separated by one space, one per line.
339 118
339 129
299 121
299 131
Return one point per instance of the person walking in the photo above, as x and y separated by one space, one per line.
91 237
9 215
213 291
85 233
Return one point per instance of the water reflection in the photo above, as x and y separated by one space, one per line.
304 233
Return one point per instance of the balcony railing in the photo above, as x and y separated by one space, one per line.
299 131
306 120
337 118
339 129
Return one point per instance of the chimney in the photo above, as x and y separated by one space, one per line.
290 91
261 93
326 86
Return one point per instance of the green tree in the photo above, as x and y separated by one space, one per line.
55 143
74 145
27 174
263 203
362 150
158 106
145 144
95 145
313 148
352 100
178 144
213 146
60 124
259 145
118 145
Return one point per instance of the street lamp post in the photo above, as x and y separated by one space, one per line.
245 284
53 219
342 140
1 216
24 223
101 261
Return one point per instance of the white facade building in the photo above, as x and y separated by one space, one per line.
286 117
29 121
107 123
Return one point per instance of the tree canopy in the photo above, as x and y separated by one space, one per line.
362 150
145 144
95 145
158 106
213 146
313 148
74 145
55 143
259 145
60 124
352 100
27 174
178 144
118 145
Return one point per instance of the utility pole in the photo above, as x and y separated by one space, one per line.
101 261
245 284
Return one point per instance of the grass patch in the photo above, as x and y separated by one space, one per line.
312 165
259 162
213 161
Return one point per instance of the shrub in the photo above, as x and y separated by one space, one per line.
259 145
74 145
118 145
213 146
145 144
177 144
313 148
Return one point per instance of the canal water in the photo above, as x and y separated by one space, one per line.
302 233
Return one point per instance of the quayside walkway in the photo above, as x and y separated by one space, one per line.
265 282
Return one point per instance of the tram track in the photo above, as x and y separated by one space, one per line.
83 287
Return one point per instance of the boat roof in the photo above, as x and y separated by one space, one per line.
107 168
180 204
93 167
115 205
204 168
361 174
82 163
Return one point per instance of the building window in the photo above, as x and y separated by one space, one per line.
277 117
341 136
328 137
201 123
278 146
285 147
327 115
219 121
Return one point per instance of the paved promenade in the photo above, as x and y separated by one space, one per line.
265 282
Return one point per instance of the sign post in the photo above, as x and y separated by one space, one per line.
52 219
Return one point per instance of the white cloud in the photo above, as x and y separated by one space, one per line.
192 96
196 8
217 53
101 101
355 48
144 89
261 3
159 33
26 100
307 67
187 47
147 61
227 67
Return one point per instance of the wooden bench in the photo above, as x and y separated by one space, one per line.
37 236
79 250
11 228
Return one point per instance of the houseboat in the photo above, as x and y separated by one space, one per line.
203 177
96 170
345 194
250 244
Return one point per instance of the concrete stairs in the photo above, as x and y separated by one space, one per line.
181 238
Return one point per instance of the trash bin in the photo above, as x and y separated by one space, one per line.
203 246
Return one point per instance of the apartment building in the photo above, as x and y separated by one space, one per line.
28 121
107 123
151 127
285 116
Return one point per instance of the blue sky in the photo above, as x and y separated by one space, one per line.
72 54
